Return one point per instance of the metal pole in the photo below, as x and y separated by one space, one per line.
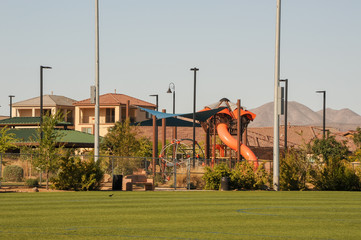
170 87
324 114
286 110
194 115
41 99
96 127
275 103
175 127
11 105
156 100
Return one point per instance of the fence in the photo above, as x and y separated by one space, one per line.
186 175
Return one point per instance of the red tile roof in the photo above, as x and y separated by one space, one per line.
111 99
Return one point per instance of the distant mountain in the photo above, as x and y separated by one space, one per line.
299 114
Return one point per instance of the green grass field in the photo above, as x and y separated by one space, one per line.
181 215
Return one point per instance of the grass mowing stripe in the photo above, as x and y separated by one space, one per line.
180 215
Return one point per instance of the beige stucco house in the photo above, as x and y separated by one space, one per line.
113 107
51 103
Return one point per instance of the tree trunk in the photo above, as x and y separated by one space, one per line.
47 179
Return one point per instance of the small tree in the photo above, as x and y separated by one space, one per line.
6 139
121 140
48 151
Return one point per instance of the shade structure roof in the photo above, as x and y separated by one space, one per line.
200 116
170 122
70 138
27 121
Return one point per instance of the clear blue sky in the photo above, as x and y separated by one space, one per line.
145 45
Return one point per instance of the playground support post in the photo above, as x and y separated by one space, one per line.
238 130
194 116
155 143
276 111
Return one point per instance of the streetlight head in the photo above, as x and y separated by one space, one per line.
194 69
153 95
320 91
46 67
283 80
169 90
11 96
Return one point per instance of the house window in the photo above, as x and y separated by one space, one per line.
69 116
110 115
87 130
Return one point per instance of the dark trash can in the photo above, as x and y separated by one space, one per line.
117 183
225 183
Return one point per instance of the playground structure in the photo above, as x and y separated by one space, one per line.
224 124
178 153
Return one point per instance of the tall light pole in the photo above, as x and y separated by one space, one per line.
96 130
194 115
286 109
11 104
276 110
324 114
156 100
41 99
171 89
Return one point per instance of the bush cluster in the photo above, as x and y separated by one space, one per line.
74 174
243 176
31 182
13 173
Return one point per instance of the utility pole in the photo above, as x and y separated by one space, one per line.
276 110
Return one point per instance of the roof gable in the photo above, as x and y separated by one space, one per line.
48 100
114 99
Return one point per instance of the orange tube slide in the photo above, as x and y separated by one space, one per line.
231 142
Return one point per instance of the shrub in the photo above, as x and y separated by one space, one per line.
13 173
73 174
69 174
293 170
91 176
335 175
212 177
243 176
31 182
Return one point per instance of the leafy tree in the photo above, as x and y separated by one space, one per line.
122 142
333 171
329 148
6 139
48 151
